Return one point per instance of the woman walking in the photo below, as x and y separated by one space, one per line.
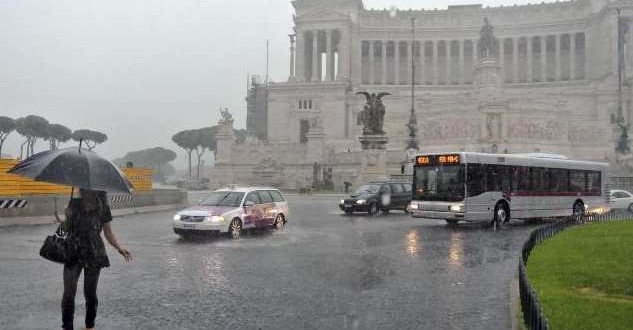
86 217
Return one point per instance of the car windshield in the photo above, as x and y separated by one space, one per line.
368 189
223 198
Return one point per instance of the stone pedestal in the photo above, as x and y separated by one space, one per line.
372 142
225 138
373 158
488 79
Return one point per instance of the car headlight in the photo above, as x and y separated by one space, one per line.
215 218
457 208
342 201
177 217
413 206
361 201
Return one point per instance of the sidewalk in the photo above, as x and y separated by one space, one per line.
117 213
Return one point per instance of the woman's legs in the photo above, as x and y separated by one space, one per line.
71 276
91 279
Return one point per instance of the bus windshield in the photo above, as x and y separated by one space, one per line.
439 183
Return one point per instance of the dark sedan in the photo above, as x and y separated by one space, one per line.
379 196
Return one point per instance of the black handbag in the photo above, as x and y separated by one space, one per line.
55 247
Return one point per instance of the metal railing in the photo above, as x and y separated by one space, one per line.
533 315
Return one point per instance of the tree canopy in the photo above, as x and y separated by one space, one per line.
7 126
89 137
32 128
156 158
57 134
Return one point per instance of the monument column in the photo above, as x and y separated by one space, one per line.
343 49
515 59
300 56
475 51
328 55
422 67
447 44
572 56
384 62
435 70
372 44
462 74
529 58
396 61
502 58
292 57
557 62
543 58
315 59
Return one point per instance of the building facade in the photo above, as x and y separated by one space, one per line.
558 80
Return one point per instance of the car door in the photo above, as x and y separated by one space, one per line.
384 196
397 196
268 208
618 199
253 214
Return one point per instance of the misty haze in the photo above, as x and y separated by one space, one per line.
316 164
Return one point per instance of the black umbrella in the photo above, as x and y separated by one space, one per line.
74 167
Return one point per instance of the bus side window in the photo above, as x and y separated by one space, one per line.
505 177
476 179
523 178
576 180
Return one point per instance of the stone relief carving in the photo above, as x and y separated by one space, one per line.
585 134
449 129
540 129
493 126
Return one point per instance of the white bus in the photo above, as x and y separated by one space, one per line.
494 188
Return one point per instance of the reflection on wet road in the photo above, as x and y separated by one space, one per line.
324 271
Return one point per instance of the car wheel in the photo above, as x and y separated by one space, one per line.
348 211
279 222
451 222
373 209
385 211
235 229
501 216
630 208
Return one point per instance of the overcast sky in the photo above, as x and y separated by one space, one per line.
141 70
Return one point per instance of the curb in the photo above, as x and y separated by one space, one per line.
515 302
116 213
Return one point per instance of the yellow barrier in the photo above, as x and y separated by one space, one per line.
15 185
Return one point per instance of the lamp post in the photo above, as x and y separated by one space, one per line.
412 125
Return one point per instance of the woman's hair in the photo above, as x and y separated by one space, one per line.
101 198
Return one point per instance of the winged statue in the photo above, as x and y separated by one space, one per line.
373 114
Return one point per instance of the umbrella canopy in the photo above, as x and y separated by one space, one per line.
74 167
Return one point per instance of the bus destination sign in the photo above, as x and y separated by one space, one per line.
433 160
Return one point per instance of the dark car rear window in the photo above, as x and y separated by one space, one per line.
396 188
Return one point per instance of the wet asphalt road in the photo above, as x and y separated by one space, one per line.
324 271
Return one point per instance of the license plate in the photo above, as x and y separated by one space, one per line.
347 206
189 226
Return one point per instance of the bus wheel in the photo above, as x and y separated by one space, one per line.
578 211
502 215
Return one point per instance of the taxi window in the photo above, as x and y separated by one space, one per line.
252 197
265 197
276 196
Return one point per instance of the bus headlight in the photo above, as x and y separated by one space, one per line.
361 201
457 208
